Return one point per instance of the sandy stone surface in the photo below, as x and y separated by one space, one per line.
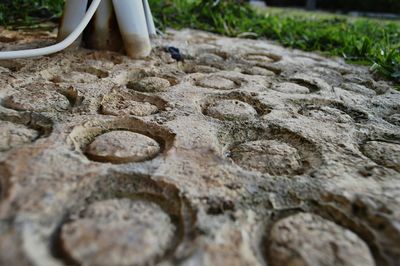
245 153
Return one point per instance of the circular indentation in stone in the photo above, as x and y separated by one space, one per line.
304 60
118 232
394 119
74 77
125 103
122 147
289 87
5 39
314 84
12 65
37 98
121 140
20 128
262 57
5 181
268 156
234 106
92 70
307 239
358 88
369 214
325 114
216 82
331 76
383 153
271 150
150 84
255 70
328 111
195 68
118 106
14 135
210 59
231 110
106 57
359 116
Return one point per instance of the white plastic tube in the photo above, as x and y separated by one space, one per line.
149 19
103 32
133 26
59 46
73 13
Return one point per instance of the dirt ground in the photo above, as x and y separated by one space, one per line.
245 153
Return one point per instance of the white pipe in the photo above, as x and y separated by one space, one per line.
103 31
59 46
74 12
149 19
133 26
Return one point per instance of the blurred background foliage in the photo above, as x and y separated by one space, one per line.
359 40
29 12
389 6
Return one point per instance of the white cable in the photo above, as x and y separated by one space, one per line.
59 46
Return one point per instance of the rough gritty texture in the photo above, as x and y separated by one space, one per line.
308 155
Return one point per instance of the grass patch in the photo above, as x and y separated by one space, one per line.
362 41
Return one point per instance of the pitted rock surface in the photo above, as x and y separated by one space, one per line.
245 153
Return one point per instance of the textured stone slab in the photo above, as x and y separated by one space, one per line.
246 153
